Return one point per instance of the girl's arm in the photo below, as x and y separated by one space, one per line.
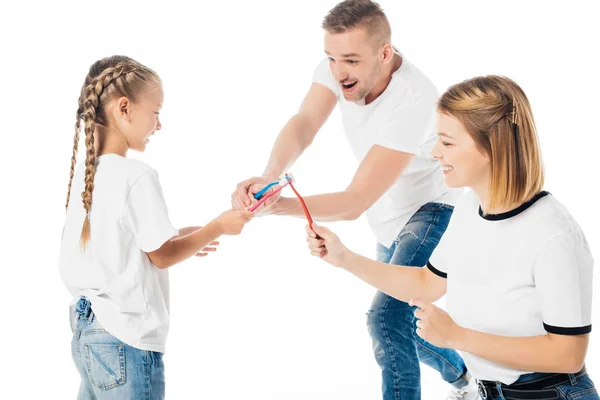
180 248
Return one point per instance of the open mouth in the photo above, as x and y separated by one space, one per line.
349 85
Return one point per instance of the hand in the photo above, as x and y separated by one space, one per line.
204 252
435 325
243 196
328 247
232 222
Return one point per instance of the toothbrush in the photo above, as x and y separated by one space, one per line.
287 179
282 183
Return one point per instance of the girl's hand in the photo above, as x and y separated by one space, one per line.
232 222
209 249
328 247
435 325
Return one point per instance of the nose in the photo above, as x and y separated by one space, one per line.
436 152
338 71
158 124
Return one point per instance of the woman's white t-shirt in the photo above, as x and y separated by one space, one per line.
522 273
129 295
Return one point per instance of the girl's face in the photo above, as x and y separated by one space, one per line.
142 119
462 163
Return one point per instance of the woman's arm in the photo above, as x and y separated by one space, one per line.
544 353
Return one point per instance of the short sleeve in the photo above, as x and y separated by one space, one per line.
409 126
145 213
323 76
563 282
439 260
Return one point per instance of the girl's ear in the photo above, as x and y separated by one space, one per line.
124 107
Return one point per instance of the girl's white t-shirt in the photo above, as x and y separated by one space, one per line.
128 219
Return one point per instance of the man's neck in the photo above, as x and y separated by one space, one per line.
386 74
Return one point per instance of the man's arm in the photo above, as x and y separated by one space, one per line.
379 170
293 139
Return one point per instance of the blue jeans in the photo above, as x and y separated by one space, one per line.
109 368
397 347
578 388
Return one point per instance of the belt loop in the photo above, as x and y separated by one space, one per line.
573 379
499 389
91 317
482 390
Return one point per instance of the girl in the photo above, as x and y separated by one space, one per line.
515 265
116 249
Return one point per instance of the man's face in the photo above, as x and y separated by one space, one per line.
355 62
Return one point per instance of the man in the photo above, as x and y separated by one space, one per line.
388 112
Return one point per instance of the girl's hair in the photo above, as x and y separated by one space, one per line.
496 113
107 79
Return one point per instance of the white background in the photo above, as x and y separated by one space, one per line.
261 319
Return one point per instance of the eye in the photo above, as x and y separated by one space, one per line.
330 59
352 62
446 144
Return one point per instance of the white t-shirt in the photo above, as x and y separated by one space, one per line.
129 295
402 118
517 274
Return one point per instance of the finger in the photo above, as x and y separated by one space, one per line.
419 313
236 203
309 231
242 191
211 249
215 243
422 304
201 254
314 241
316 248
322 231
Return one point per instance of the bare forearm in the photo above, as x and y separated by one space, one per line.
536 353
293 139
402 283
181 248
328 207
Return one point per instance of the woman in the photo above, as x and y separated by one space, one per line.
515 266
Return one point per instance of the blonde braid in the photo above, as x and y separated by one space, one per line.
92 93
74 157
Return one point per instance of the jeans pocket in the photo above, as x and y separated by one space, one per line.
105 364
584 394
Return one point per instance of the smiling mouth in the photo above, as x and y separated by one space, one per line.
350 85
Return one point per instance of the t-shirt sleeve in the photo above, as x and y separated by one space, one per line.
145 213
410 124
324 77
439 260
563 282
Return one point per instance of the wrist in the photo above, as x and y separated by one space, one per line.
215 226
459 338
271 176
280 207
347 259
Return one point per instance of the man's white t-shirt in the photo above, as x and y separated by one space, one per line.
129 295
402 118
518 274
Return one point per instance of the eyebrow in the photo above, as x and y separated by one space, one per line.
442 134
349 55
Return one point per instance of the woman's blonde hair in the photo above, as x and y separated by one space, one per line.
108 78
496 113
